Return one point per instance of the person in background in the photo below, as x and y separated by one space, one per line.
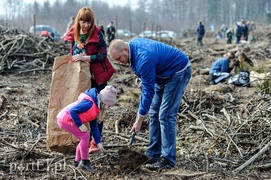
70 24
238 32
222 68
46 34
164 72
87 43
87 108
102 29
200 33
245 31
218 35
229 35
110 32
252 27
223 29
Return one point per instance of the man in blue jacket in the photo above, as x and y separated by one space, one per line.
164 72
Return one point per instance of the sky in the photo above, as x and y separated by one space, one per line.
110 2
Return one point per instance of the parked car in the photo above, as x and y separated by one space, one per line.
147 33
167 34
50 29
125 33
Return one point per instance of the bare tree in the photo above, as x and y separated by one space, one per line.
13 9
177 15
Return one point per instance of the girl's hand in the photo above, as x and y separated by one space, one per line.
80 57
83 128
101 148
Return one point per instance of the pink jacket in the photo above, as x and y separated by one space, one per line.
89 115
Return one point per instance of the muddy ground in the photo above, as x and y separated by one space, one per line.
207 147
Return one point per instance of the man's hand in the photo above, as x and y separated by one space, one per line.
138 123
101 148
83 128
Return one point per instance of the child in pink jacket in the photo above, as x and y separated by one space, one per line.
87 108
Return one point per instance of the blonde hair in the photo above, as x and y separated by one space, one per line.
84 14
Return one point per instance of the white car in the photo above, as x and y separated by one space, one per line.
50 29
167 34
125 33
147 33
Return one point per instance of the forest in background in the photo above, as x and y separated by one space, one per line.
176 15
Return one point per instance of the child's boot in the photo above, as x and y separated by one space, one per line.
75 164
86 166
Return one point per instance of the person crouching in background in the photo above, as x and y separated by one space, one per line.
222 68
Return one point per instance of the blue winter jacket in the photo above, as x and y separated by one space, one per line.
220 65
200 30
154 62
83 106
239 30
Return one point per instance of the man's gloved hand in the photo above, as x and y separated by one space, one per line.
100 146
83 128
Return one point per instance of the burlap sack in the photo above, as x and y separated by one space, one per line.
69 79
